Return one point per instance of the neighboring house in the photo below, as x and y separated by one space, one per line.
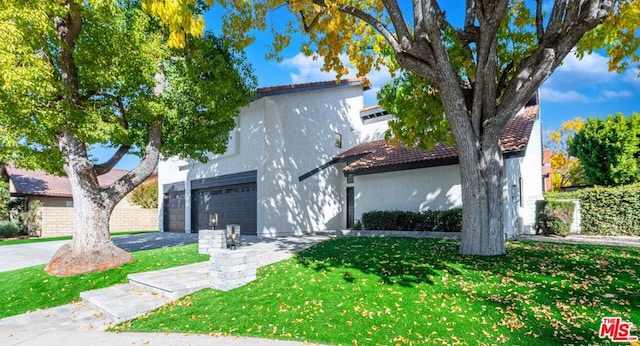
309 157
56 211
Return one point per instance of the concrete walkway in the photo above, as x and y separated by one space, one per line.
83 323
585 239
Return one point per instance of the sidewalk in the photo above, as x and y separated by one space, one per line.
585 239
83 323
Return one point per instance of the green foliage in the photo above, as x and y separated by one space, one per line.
608 210
416 123
5 200
609 149
9 229
554 217
428 220
388 291
118 54
30 289
146 194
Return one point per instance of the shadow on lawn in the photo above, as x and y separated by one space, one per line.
393 261
578 284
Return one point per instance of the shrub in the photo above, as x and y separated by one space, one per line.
146 194
554 217
8 229
428 220
607 210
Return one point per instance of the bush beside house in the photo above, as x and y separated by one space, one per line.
607 210
554 217
425 221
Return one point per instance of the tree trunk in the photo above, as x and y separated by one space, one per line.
91 248
482 200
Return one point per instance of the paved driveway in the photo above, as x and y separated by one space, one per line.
27 255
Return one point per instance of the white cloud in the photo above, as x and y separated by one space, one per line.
592 65
553 95
611 94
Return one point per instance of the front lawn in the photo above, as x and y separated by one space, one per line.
29 289
400 291
68 237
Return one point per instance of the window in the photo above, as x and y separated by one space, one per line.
337 140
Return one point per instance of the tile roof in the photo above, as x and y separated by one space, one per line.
40 183
285 89
381 155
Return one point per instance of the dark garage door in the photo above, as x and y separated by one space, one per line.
173 211
234 204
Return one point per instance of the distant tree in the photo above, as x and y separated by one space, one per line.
5 200
146 194
74 74
566 170
609 149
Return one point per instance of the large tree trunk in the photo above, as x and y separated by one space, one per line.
91 248
482 200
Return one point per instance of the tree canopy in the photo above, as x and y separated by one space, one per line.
116 55
74 74
609 149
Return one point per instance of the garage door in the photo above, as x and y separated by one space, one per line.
173 211
234 204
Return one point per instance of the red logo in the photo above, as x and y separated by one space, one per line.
616 329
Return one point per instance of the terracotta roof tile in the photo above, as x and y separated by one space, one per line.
380 154
40 183
283 89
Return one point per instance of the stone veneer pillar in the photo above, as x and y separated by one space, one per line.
232 268
210 239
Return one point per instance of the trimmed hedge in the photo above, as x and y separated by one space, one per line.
607 210
554 217
426 221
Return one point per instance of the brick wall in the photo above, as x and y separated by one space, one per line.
58 221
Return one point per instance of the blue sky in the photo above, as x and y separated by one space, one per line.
578 88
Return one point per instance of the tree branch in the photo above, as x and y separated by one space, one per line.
402 31
539 21
307 28
68 30
108 165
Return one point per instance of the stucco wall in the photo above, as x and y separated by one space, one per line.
283 137
299 137
247 154
531 171
434 188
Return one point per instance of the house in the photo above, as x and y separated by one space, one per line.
56 209
310 157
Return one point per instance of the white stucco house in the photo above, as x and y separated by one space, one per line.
310 157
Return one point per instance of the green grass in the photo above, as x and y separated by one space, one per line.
401 291
41 240
29 289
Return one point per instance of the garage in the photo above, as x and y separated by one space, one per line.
232 197
173 208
